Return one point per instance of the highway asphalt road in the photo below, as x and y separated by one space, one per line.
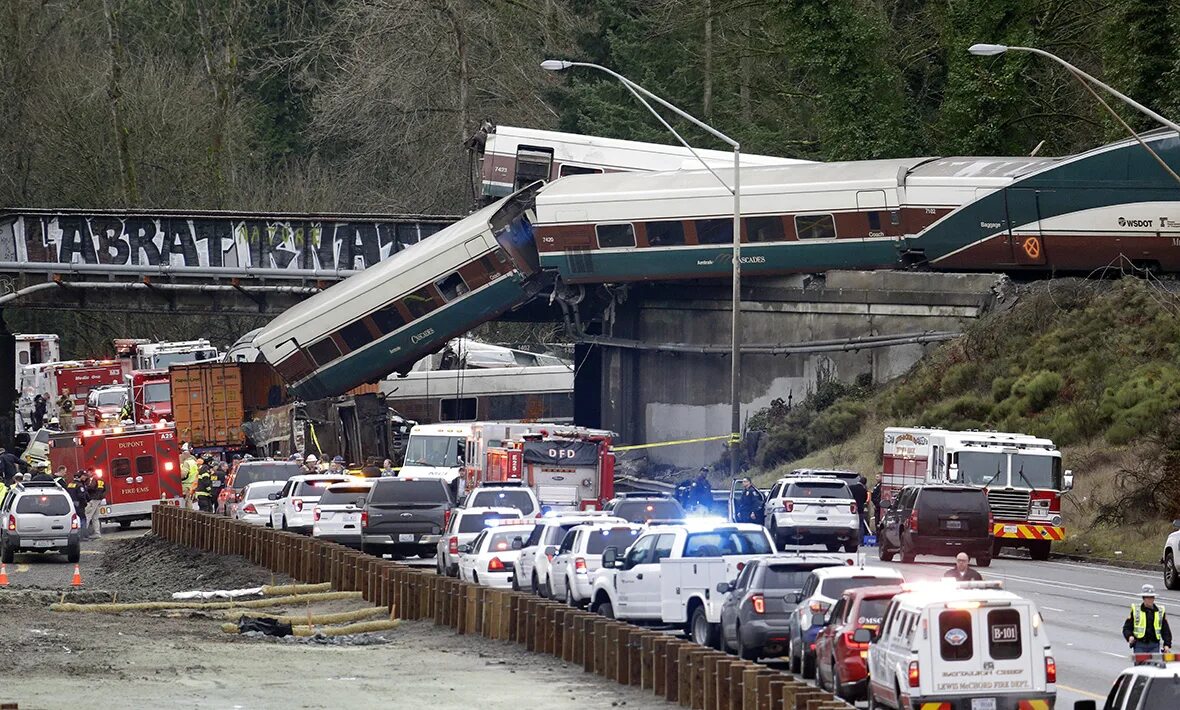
1083 606
51 571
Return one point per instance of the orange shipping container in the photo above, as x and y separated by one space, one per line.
210 400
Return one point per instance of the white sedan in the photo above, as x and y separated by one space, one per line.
487 560
571 572
253 506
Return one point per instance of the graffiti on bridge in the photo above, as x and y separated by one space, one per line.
286 243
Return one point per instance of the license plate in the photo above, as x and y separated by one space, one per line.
953 524
1008 530
406 538
983 704
41 543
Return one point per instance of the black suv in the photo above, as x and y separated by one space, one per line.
405 517
937 520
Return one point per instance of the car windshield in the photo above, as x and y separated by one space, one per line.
519 499
109 398
445 451
643 510
155 392
833 588
500 541
315 488
871 611
474 522
264 489
1038 471
46 504
718 543
250 472
820 489
420 492
787 576
620 538
343 495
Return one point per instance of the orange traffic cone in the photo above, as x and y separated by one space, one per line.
77 580
3 575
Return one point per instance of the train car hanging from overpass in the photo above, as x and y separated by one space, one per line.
408 306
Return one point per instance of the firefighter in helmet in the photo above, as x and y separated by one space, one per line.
203 492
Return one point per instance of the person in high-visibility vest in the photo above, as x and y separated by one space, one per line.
189 468
1146 628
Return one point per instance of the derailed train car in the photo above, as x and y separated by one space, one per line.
1107 206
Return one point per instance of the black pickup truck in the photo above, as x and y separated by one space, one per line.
405 517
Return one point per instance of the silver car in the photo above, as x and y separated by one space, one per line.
464 526
38 516
253 505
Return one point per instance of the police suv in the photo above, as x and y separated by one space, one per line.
967 646
1152 684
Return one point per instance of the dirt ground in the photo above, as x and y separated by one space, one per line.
183 660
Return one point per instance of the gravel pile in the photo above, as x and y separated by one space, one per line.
149 567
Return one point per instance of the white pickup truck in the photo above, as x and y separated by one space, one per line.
670 574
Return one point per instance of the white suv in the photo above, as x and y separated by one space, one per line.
38 516
531 568
1171 558
519 497
295 503
571 571
1148 685
968 645
464 526
805 510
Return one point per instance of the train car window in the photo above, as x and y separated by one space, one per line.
388 319
874 221
452 286
456 410
532 164
356 335
764 229
577 170
419 303
324 351
664 234
715 231
295 366
815 226
613 236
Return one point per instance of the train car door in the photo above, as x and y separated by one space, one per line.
1025 241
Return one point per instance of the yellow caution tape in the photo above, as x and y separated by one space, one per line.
315 440
674 443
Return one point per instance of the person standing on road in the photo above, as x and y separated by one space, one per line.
962 571
189 469
40 405
76 487
65 410
203 493
387 469
218 473
8 464
96 490
702 492
60 478
860 493
876 498
750 505
1146 628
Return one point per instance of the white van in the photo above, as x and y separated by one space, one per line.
970 645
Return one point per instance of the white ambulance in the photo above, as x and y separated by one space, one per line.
966 646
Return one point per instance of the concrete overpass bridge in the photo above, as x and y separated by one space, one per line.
186 262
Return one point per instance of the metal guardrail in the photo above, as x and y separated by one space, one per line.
670 668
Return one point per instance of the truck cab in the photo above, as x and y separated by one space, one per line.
151 396
437 451
671 572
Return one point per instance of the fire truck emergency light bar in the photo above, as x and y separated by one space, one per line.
125 429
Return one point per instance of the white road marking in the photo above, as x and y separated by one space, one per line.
1125 595
1049 608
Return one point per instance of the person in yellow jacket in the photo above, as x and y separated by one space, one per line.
190 467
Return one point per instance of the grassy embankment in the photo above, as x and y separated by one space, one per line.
1095 366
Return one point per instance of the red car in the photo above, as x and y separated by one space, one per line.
841 654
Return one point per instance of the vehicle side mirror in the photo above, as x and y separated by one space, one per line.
862 635
517 543
610 557
1085 705
272 496
798 597
464 549
551 551
952 472
818 619
725 587
360 503
1176 524
1068 485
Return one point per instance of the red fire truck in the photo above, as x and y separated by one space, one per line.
571 468
140 464
151 396
77 377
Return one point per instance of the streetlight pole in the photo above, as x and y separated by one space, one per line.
735 428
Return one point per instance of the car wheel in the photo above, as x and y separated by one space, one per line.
1171 575
796 661
780 539
851 546
702 632
516 582
534 585
884 552
569 596
907 554
873 704
284 519
808 671
546 589
996 547
74 553
836 684
474 577
606 610
123 524
819 677
7 553
983 561
438 565
745 652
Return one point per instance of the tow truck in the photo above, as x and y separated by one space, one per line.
670 574
140 464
